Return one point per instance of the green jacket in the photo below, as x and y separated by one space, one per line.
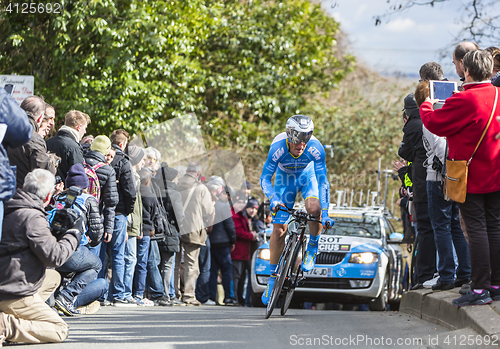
134 220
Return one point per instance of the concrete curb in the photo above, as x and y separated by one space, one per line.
436 307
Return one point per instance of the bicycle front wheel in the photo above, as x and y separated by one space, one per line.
281 274
294 271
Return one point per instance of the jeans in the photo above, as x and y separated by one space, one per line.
239 272
445 221
153 279
95 290
481 214
426 249
221 259
171 292
86 266
1 219
130 262
141 266
202 289
167 268
116 250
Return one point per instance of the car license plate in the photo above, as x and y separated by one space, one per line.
319 272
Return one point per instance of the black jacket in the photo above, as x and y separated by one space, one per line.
28 247
149 204
125 182
30 156
109 191
223 232
412 149
64 145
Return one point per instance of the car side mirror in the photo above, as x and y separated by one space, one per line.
395 238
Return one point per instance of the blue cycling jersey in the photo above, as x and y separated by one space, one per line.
303 172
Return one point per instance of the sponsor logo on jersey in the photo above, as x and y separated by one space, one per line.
278 153
314 152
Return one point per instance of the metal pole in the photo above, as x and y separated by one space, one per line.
385 193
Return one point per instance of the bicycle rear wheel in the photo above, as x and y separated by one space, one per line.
281 274
293 274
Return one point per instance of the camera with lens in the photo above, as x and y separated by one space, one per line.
66 218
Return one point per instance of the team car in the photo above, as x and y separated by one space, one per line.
361 259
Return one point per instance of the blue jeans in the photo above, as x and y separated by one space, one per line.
116 252
221 259
141 266
86 265
97 289
445 221
130 262
1 219
153 279
171 292
202 291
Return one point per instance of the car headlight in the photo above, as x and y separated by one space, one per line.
264 254
364 258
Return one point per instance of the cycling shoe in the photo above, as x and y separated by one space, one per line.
310 257
267 293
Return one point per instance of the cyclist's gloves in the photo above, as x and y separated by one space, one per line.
275 201
325 218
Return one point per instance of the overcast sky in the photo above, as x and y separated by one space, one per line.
407 41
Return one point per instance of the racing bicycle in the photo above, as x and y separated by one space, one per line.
289 271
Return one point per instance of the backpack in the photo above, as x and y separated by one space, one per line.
94 187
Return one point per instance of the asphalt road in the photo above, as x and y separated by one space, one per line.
240 328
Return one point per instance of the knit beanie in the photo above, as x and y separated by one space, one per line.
102 144
170 173
135 153
77 177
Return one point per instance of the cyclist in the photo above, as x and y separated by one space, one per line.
298 159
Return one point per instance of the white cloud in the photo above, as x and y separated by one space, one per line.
400 25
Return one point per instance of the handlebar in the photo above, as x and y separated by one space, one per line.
299 215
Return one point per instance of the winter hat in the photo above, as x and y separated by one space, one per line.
77 177
102 144
253 203
170 173
410 102
135 153
246 185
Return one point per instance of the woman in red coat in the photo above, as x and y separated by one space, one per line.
240 254
462 121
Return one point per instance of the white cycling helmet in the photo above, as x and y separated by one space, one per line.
299 128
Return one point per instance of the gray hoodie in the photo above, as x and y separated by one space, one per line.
434 146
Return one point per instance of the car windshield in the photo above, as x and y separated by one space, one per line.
357 226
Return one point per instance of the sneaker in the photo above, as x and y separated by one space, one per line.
2 340
494 293
439 286
465 288
310 257
65 306
193 302
209 302
431 282
106 303
176 301
473 298
231 302
269 288
143 302
124 303
91 308
3 331
163 301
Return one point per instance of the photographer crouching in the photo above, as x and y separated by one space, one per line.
26 250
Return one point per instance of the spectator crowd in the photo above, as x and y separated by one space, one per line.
95 221
457 243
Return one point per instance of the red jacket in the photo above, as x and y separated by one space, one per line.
244 236
462 121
